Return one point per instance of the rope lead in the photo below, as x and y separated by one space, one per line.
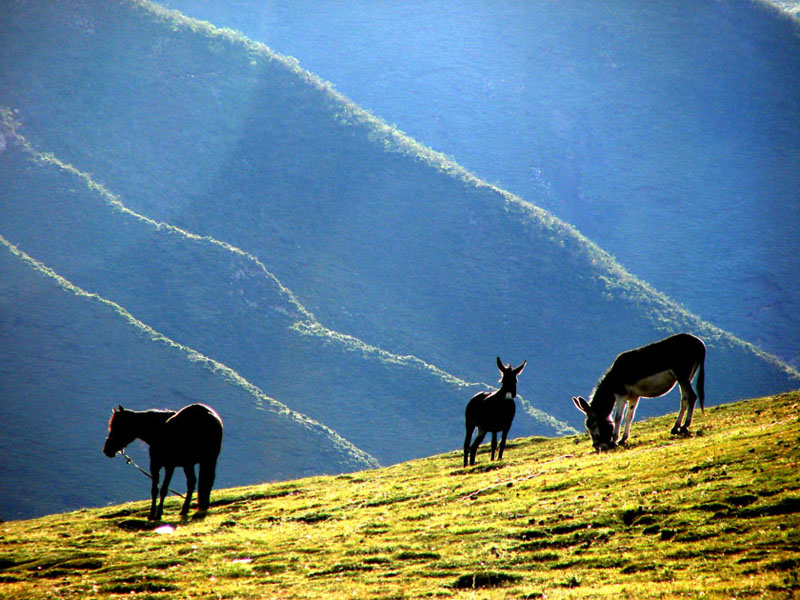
130 461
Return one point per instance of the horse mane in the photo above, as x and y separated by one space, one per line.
164 411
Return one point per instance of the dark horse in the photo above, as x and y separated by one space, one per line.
649 371
177 439
492 411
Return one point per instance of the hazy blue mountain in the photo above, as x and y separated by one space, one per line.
69 357
667 133
202 292
238 206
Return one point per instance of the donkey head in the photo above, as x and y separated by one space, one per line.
120 432
509 377
600 428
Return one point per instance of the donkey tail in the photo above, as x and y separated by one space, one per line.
701 384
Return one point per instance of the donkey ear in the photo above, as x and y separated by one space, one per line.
500 365
581 404
519 369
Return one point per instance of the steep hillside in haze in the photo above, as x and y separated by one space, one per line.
251 214
69 357
221 302
668 134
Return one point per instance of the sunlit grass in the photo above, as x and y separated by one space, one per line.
713 516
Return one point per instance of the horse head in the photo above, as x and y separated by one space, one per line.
120 432
600 428
508 377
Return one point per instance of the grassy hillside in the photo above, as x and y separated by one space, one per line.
713 516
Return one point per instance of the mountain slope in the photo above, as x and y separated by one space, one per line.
377 236
67 357
637 123
715 515
225 304
249 212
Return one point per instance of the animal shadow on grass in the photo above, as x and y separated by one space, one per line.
479 468
144 524
139 524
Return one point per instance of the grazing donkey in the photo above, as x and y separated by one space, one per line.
492 411
177 439
649 371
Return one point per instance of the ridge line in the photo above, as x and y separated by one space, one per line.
395 140
261 400
309 325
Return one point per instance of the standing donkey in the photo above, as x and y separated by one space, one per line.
492 411
649 371
191 436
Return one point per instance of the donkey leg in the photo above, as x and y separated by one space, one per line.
474 448
467 440
619 408
208 472
164 490
632 404
494 443
688 401
502 444
190 483
676 429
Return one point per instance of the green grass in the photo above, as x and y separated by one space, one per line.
716 515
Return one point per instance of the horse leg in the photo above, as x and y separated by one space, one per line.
154 496
494 443
632 404
154 474
208 471
467 440
474 448
190 482
502 444
164 490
